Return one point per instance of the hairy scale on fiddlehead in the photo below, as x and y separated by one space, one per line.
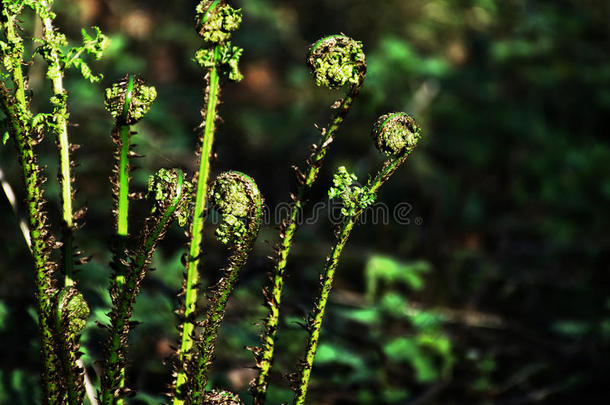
335 61
170 195
71 314
396 135
215 22
25 136
238 201
52 45
127 101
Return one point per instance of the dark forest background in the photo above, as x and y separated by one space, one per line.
494 289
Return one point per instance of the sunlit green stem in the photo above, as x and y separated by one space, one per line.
18 115
314 164
192 277
329 272
60 127
16 110
113 379
123 205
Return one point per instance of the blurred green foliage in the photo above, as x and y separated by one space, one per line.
497 291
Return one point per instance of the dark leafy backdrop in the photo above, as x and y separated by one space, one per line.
496 291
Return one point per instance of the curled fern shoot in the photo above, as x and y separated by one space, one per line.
237 199
396 135
215 22
71 312
25 136
335 61
127 101
170 195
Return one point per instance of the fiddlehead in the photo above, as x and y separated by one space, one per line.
127 101
396 135
71 314
335 61
215 22
236 198
170 196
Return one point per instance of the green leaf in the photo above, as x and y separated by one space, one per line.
367 316
389 270
329 353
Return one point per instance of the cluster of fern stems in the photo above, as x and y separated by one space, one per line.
336 62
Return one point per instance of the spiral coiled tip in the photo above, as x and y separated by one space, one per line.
336 60
217 20
72 310
129 100
218 397
235 196
395 132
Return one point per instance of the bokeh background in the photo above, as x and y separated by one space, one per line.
497 289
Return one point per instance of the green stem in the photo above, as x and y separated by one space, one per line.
121 197
68 364
60 116
123 204
17 113
114 371
320 308
16 110
192 277
314 164
329 272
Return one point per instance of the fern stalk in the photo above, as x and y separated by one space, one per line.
127 101
60 127
238 200
215 23
192 275
349 58
396 135
16 110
